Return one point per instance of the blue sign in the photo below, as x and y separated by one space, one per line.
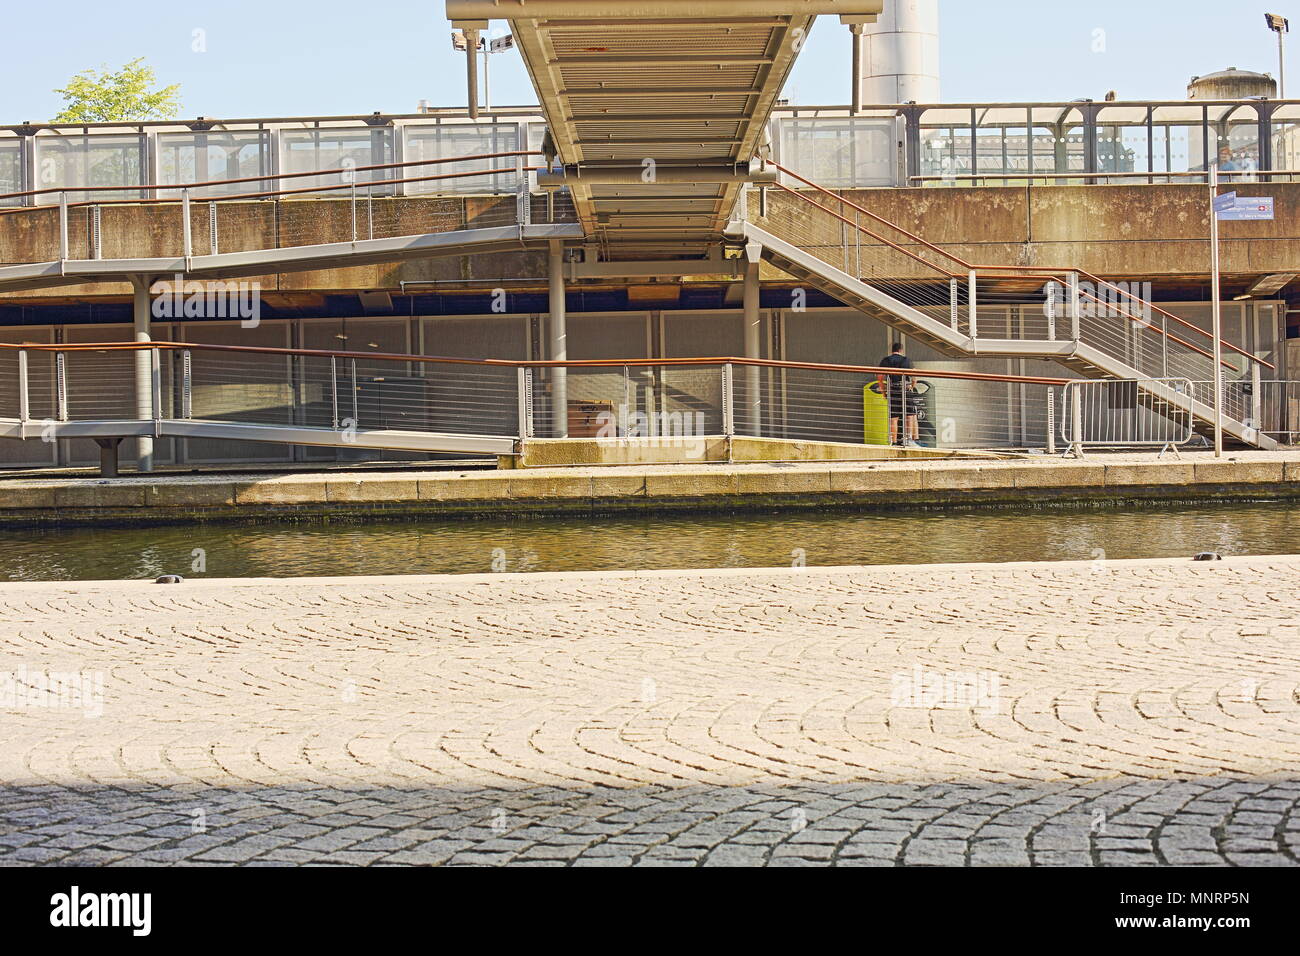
1244 208
1225 202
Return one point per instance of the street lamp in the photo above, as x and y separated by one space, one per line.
1280 26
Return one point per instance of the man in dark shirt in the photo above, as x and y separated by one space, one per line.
898 388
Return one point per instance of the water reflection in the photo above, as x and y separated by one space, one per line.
715 541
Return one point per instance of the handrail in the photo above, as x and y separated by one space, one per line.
884 222
265 178
527 363
845 219
969 266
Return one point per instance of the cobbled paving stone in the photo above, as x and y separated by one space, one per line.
1125 713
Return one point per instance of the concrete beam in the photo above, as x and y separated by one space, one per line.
657 176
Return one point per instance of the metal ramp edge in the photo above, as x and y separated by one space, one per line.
255 262
369 438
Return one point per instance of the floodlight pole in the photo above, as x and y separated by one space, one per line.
1281 65
1279 25
472 30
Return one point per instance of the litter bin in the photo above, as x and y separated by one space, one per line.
875 416
920 402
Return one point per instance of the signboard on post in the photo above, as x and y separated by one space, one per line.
1233 208
1225 203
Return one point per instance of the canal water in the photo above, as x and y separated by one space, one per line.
599 544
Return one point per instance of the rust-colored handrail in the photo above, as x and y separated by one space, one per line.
973 267
860 228
265 178
526 363
880 219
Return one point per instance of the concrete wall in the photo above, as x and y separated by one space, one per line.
1112 231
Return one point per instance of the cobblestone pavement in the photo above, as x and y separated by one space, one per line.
1105 713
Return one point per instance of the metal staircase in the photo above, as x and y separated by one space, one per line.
1094 328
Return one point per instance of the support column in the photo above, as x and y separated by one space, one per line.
471 70
752 418
857 29
108 456
559 351
143 370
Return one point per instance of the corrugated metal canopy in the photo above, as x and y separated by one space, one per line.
652 84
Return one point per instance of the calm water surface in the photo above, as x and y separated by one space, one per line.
591 544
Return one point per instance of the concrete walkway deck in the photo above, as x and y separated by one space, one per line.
663 488
1143 712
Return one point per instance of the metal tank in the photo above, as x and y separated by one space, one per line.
899 54
1231 84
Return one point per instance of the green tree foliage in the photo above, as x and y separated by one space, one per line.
98 96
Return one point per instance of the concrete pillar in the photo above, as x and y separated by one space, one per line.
143 370
751 421
559 350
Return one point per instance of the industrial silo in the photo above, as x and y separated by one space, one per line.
900 54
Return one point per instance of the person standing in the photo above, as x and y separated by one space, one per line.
899 388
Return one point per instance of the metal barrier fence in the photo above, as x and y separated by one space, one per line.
1134 413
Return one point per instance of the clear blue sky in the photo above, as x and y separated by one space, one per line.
328 57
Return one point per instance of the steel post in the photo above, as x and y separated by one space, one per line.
559 341
24 403
144 375
752 418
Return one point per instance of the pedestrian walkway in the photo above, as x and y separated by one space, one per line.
1082 713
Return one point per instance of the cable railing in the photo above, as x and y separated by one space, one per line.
1026 303
420 402
184 221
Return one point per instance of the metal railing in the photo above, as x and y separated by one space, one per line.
198 219
1185 177
429 403
1133 413
981 143
420 403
